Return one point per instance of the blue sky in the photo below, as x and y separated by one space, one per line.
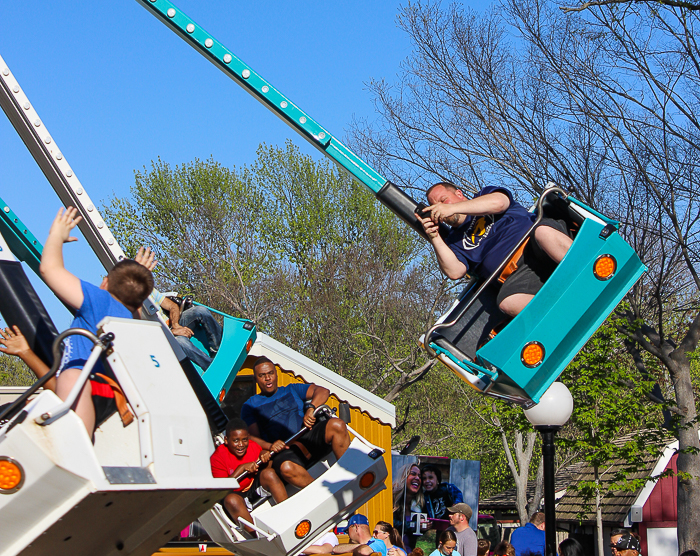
117 89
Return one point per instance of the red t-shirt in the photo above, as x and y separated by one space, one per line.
224 463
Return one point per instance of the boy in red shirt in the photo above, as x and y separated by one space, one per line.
239 454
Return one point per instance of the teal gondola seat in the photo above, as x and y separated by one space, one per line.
518 359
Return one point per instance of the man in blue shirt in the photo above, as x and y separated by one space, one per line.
484 231
531 538
278 412
362 543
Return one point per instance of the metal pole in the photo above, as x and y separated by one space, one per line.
550 518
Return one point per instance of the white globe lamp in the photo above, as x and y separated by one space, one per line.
554 409
548 416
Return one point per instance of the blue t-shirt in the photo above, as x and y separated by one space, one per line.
482 242
528 539
97 304
278 416
377 546
437 552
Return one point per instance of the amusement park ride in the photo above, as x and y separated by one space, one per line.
137 485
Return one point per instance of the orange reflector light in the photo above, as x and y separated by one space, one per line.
11 475
303 529
604 267
222 395
249 344
532 354
367 480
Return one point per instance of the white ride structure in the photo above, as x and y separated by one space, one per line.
132 490
138 485
338 489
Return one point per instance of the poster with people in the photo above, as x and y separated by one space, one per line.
432 494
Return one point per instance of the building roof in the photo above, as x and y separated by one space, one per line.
572 506
505 501
616 504
312 372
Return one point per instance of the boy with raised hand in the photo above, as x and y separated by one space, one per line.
237 455
121 294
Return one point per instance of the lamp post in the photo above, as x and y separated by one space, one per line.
548 416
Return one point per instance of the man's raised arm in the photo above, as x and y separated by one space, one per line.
450 265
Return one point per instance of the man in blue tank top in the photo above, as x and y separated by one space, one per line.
484 231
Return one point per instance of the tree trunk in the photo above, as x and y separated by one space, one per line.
688 456
519 467
534 504
598 512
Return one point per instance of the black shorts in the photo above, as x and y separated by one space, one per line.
250 496
314 441
534 266
102 399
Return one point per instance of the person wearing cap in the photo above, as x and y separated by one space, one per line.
615 535
361 541
460 514
626 545
530 538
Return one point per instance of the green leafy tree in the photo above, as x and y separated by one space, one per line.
611 400
300 248
355 283
14 373
203 221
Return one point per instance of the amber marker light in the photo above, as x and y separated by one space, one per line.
532 354
303 529
222 395
11 475
249 344
367 480
604 267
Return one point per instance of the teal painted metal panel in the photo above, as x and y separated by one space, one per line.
481 372
21 241
568 309
231 355
262 90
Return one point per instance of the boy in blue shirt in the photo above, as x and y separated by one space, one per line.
121 294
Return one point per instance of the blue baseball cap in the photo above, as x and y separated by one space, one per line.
357 519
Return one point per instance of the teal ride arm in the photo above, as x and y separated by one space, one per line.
262 90
20 240
387 193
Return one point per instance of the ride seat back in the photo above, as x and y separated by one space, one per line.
20 305
557 208
473 329
168 413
